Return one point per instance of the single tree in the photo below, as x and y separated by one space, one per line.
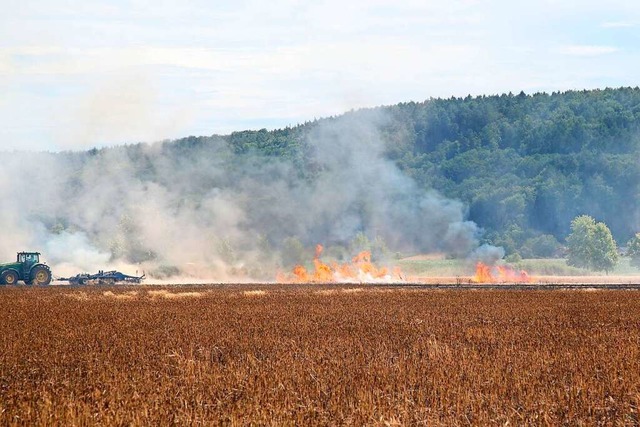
604 252
591 245
579 241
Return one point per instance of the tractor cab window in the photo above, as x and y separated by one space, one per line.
29 258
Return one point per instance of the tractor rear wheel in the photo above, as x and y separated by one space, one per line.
40 275
9 277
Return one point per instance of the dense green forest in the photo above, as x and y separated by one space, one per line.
524 165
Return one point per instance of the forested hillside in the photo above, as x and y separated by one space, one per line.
524 165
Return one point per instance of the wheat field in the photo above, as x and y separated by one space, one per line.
317 355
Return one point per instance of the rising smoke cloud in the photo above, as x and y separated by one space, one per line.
199 208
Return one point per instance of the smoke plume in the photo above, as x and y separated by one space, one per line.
206 208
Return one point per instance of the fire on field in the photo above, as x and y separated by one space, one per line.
499 274
361 269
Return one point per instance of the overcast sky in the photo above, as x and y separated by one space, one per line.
79 74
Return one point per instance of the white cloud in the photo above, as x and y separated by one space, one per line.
619 24
586 50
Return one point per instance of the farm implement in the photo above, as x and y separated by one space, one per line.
102 278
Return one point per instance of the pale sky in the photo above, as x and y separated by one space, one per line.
79 74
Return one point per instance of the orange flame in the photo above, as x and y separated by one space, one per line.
499 274
361 269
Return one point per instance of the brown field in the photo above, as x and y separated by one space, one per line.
305 355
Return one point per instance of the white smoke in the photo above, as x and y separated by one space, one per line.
487 254
63 247
195 207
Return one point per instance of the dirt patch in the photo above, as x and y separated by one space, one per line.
124 296
78 296
352 290
256 293
163 293
326 292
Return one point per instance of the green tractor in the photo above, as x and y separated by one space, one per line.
26 268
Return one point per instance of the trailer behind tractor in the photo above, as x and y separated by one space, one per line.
102 278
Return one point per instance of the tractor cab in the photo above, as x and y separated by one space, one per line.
29 258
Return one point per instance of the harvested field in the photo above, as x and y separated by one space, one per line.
317 355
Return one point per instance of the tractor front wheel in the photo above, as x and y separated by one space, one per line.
9 277
40 276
